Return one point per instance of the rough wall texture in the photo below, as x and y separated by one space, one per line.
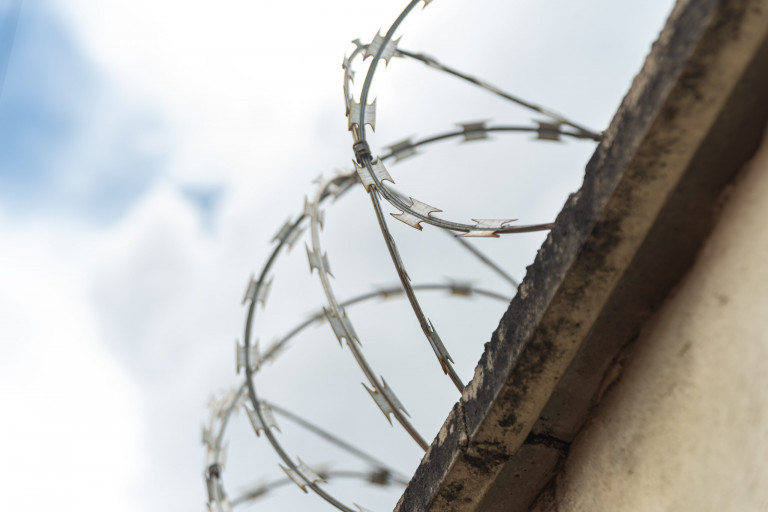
693 117
685 428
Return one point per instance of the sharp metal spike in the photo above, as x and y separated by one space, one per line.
293 236
250 290
302 470
382 402
314 260
387 53
264 292
354 114
423 208
309 473
284 231
380 476
379 171
361 509
474 131
426 3
409 219
358 44
294 477
266 414
461 288
487 227
385 292
321 218
341 326
288 234
253 356
402 150
548 131
348 71
416 207
318 262
438 347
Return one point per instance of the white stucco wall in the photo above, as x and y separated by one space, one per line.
685 428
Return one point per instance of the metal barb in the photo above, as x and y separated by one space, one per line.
548 131
288 234
474 131
354 114
302 475
348 71
462 288
341 326
383 398
252 353
281 235
250 290
318 262
402 150
439 347
293 237
387 53
263 421
381 173
261 297
416 213
487 227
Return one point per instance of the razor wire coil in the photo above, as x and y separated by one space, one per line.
370 172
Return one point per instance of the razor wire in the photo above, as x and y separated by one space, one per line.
371 173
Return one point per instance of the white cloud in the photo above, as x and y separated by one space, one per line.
72 427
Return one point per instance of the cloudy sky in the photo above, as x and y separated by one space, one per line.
149 150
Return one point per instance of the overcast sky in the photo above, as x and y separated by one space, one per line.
149 151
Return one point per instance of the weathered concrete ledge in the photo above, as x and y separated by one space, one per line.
693 116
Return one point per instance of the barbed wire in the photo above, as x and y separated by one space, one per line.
262 417
371 173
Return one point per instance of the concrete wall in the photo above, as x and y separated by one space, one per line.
685 426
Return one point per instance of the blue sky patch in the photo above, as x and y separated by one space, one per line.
68 144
